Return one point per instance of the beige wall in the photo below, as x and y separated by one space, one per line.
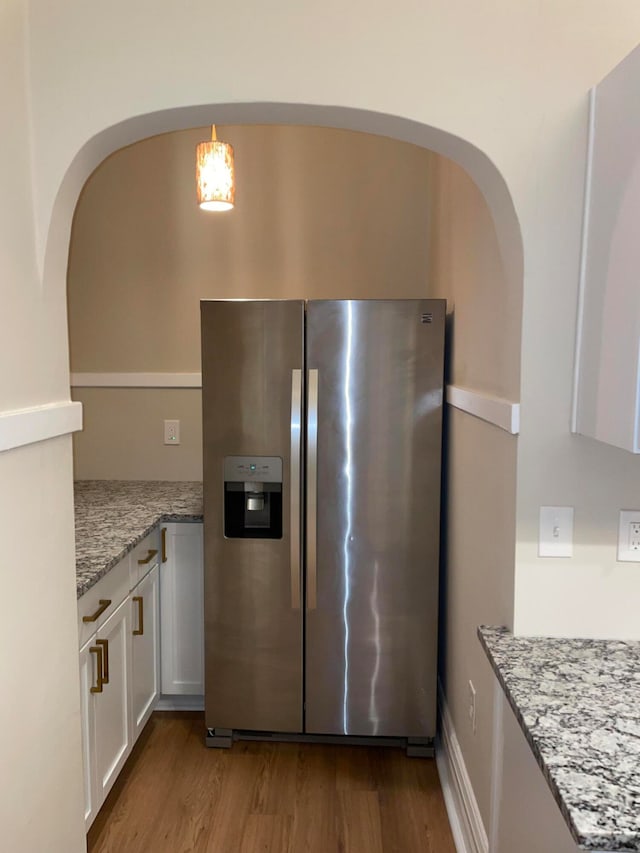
319 213
478 580
484 295
484 306
123 435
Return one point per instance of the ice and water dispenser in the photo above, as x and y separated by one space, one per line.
253 497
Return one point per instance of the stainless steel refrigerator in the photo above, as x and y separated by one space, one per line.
322 449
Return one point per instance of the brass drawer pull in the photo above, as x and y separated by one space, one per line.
164 544
97 651
151 554
104 603
104 644
140 602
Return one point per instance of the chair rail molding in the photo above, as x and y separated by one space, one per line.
495 410
39 423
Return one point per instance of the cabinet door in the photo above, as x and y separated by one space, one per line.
144 650
112 714
88 679
182 611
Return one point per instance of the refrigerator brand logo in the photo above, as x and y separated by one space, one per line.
426 318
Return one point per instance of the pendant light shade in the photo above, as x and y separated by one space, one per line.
215 174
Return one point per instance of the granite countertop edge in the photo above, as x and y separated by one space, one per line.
594 841
530 739
83 567
113 516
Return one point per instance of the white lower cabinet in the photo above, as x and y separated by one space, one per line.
106 723
112 709
182 610
144 650
119 671
88 681
130 636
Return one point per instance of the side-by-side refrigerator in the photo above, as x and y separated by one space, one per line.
322 425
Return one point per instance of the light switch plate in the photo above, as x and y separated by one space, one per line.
629 536
556 531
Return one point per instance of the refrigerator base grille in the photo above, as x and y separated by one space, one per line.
415 747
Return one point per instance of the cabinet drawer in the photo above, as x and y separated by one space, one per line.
144 557
113 587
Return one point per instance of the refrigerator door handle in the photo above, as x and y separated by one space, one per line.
296 442
312 489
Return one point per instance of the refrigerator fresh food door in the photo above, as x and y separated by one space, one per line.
252 360
375 373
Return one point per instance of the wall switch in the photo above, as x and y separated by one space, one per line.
172 432
629 536
556 531
472 706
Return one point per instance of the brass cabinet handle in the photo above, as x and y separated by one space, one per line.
104 603
150 555
140 602
97 651
104 645
163 533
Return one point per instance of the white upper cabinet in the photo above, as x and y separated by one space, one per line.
606 396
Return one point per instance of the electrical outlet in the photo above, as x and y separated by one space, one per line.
172 432
472 706
629 536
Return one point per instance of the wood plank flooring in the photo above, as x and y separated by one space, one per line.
176 796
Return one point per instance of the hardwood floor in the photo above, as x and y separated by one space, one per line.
177 796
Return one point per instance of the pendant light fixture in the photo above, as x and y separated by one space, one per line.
215 175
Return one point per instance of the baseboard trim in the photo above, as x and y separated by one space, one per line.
467 827
180 703
136 380
39 423
495 410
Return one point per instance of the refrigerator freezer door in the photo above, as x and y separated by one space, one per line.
371 636
252 355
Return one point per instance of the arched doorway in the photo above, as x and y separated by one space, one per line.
463 157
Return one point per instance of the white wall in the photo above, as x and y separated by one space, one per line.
41 801
591 594
511 78
475 72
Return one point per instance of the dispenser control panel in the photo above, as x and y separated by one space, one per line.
253 469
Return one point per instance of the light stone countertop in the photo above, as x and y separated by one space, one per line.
578 704
112 516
